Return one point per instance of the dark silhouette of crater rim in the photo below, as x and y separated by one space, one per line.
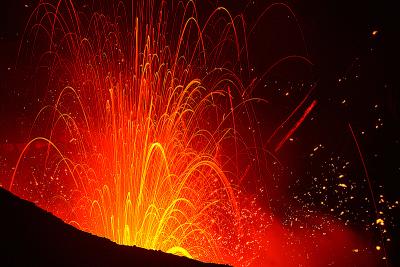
30 236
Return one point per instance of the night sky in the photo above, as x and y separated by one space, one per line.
354 55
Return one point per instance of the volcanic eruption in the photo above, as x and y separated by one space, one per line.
148 134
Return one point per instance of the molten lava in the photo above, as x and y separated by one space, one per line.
129 145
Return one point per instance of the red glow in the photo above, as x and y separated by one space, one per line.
140 132
135 133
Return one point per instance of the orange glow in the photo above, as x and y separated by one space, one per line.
137 122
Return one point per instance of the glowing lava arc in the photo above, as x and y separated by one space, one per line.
131 144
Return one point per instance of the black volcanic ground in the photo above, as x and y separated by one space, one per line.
29 236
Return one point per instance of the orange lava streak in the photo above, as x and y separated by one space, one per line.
297 125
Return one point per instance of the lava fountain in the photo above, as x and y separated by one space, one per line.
135 139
